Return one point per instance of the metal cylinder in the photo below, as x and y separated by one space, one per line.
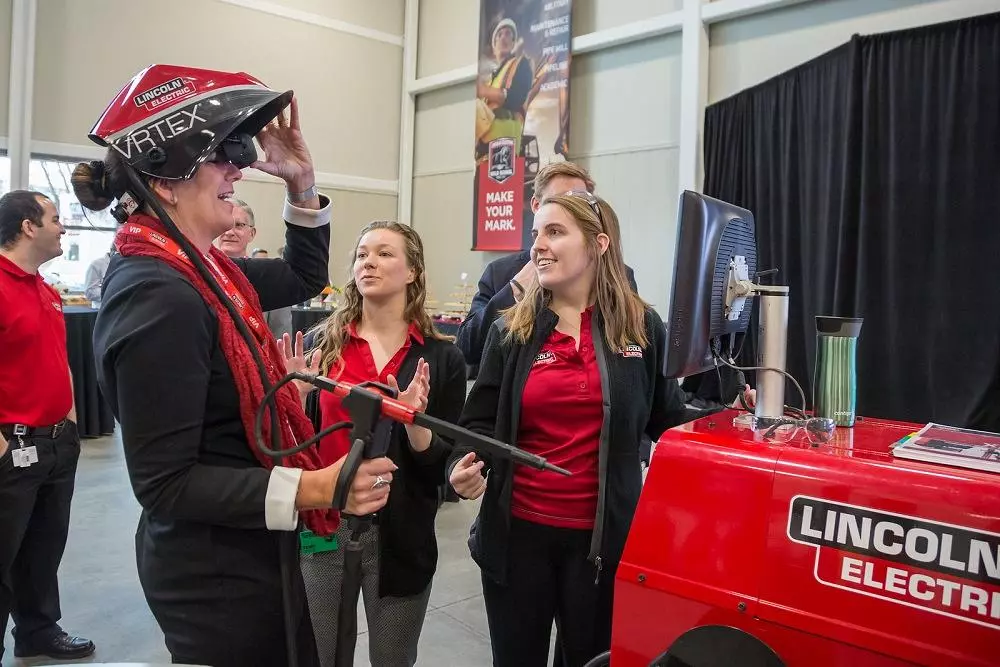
773 338
835 380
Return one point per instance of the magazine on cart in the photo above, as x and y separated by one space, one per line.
950 445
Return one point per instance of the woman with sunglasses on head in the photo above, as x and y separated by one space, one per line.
218 516
383 334
572 373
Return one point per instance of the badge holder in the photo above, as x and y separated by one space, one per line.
311 543
23 457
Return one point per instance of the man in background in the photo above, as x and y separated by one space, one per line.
94 280
259 253
39 441
235 243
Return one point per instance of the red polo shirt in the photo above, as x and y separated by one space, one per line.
359 366
561 415
35 385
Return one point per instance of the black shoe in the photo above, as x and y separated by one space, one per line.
59 646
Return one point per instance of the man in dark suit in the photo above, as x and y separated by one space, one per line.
505 279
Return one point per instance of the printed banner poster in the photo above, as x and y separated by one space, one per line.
522 113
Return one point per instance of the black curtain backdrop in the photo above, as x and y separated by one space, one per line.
873 173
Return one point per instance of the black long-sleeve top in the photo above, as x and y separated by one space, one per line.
207 561
635 403
408 550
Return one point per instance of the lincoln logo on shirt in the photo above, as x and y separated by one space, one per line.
547 357
57 305
632 351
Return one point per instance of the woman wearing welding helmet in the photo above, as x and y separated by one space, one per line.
181 371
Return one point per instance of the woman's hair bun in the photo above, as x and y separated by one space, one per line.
99 176
90 183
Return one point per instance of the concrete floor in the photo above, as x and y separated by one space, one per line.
102 600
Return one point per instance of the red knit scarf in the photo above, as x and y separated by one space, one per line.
295 425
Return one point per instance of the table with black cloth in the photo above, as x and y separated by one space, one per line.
93 413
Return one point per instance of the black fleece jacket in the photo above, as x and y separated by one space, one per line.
407 545
635 402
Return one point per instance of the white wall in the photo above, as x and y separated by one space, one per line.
447 35
625 123
593 15
748 51
382 15
348 85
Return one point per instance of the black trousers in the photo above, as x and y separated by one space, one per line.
34 522
217 593
549 577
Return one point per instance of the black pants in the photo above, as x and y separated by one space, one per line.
217 593
34 522
549 577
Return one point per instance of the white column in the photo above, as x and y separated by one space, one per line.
407 116
694 95
22 76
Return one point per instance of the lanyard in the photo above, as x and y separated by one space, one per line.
168 244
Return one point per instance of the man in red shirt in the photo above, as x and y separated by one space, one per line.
39 443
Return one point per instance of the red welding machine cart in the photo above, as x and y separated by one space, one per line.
746 551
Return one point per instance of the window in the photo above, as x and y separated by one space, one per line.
4 173
89 234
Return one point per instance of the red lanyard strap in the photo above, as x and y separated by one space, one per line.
228 286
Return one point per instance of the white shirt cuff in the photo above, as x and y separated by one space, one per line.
309 217
279 501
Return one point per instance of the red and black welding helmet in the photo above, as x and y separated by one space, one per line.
167 120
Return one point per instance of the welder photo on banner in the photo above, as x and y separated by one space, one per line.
522 112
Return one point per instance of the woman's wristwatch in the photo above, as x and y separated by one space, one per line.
301 197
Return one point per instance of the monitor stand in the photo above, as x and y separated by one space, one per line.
773 341
772 335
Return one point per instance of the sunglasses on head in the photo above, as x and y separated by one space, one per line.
236 149
592 200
